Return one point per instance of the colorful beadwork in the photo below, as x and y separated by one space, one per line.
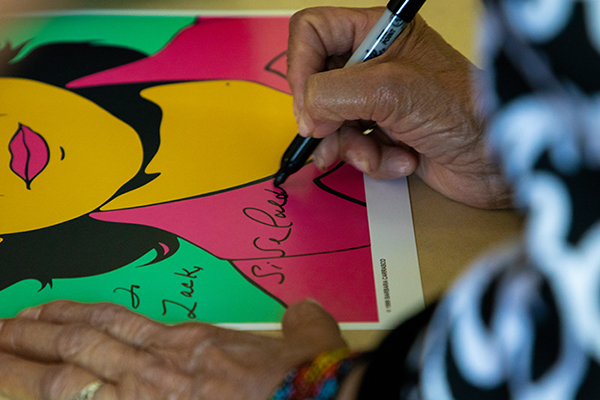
318 379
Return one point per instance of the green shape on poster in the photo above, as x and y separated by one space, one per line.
191 285
147 34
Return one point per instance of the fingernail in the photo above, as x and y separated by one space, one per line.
401 165
399 168
358 161
318 161
311 300
303 128
30 313
362 165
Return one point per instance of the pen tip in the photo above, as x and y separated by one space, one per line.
280 177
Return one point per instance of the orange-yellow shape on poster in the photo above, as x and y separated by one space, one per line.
61 156
215 135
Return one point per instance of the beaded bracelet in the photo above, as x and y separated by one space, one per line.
318 379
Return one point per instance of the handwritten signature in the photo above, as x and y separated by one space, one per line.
274 218
257 271
135 299
188 292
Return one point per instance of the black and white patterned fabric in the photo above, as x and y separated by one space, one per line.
525 323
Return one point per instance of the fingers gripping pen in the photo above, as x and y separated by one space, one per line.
396 16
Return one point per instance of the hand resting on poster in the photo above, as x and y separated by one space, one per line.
420 93
54 351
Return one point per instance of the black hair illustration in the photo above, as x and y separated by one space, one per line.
78 248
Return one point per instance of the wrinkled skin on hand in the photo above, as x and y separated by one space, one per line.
54 351
420 93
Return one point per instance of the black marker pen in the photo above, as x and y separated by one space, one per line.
395 18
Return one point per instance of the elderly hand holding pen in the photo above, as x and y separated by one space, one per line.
420 93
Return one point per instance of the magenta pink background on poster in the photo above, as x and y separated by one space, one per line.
320 240
213 48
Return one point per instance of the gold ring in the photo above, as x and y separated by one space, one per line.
89 391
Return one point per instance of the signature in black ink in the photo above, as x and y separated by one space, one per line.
257 271
191 311
135 299
188 292
189 286
274 219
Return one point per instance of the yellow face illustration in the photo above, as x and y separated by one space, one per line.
214 135
61 155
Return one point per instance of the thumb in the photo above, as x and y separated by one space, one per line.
307 323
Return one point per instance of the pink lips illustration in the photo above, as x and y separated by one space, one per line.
30 154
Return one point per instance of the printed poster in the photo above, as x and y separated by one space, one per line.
137 156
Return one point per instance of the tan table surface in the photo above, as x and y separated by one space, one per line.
449 235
